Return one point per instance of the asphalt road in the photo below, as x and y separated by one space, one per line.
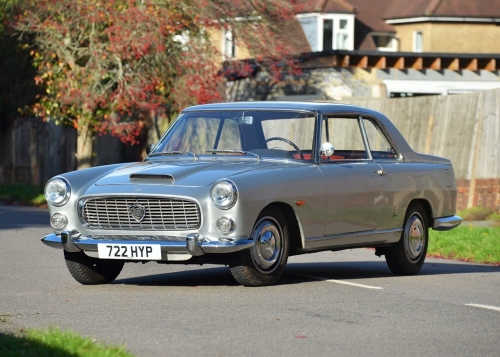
332 303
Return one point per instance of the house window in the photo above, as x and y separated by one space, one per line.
228 46
417 41
343 35
342 41
327 34
385 42
338 34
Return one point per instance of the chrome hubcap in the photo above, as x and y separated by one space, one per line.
414 238
268 245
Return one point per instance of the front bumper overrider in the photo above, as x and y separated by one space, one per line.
73 241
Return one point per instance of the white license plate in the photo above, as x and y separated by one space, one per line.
129 251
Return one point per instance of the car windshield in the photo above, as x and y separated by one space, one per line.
285 134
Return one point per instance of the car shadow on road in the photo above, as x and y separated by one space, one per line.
298 273
372 269
213 276
15 217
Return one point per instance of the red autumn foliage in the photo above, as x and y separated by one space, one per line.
108 65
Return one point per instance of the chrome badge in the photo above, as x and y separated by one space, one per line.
137 212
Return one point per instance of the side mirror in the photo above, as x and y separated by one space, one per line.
326 150
149 148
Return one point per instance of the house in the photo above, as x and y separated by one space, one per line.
391 48
450 26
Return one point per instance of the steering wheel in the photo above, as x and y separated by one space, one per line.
289 142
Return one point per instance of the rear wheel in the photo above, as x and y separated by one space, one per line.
407 256
264 263
92 271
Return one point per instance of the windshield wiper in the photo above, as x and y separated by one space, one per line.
233 151
166 153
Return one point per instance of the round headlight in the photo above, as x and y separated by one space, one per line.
224 194
57 191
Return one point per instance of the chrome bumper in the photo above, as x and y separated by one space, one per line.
195 245
446 223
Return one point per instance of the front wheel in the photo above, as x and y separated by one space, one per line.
92 271
407 256
264 263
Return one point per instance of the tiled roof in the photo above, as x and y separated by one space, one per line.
370 18
378 10
445 8
325 6
371 14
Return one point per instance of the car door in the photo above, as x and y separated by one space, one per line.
354 182
399 179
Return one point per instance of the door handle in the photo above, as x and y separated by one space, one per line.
380 172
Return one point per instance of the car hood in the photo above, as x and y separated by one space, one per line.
182 173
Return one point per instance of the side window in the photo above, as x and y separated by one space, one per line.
298 130
379 145
345 134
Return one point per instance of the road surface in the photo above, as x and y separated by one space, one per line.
331 303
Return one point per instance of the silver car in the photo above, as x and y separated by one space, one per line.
250 184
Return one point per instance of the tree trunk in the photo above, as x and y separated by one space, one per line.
84 148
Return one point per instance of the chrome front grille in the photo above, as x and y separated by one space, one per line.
120 213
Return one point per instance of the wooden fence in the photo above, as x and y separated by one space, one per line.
464 128
33 151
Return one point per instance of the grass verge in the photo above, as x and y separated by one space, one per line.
467 243
22 194
55 343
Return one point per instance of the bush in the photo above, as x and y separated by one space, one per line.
22 194
495 217
475 213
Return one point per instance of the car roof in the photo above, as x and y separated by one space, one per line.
319 107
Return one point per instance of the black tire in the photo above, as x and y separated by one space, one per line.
264 263
92 271
407 256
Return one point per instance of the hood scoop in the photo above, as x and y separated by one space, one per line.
157 178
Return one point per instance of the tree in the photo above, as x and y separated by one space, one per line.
16 72
109 66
